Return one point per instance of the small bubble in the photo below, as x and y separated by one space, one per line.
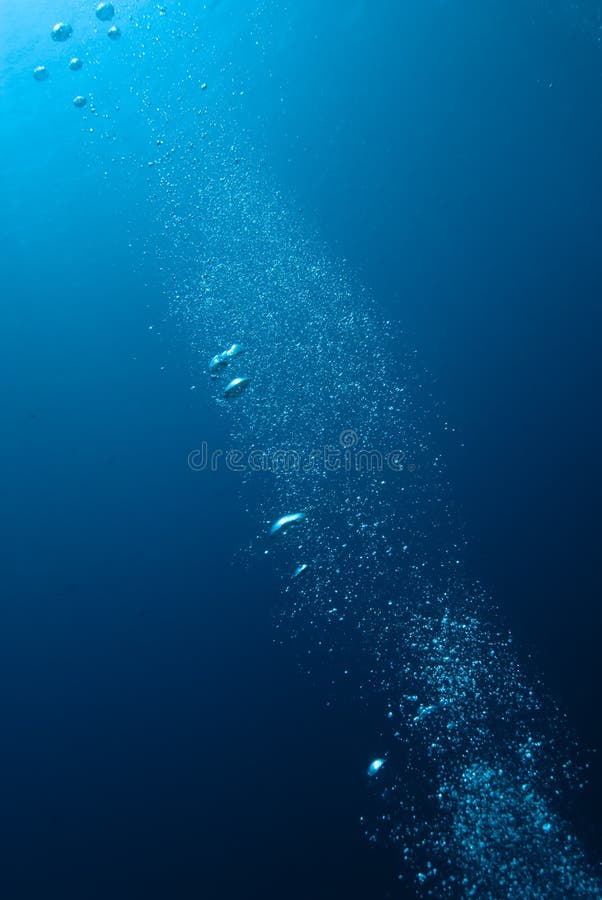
375 766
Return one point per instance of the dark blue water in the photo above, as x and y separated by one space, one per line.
155 740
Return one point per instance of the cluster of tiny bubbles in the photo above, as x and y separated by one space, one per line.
499 764
383 602
470 766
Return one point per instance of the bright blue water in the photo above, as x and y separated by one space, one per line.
156 742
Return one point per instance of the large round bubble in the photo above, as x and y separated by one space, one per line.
105 11
61 32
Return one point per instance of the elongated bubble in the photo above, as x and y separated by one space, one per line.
236 388
375 766
221 360
282 524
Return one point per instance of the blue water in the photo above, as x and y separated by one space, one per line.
179 718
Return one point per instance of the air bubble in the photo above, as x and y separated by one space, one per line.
61 32
105 12
281 525
375 766
236 388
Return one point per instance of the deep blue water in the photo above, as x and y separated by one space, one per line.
155 740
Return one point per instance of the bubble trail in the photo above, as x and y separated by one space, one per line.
475 767
478 767
466 735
